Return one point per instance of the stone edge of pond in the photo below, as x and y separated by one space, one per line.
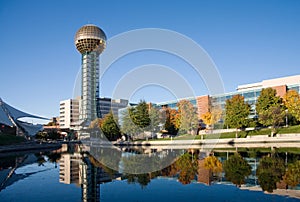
250 140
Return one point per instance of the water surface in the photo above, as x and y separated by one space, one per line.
70 175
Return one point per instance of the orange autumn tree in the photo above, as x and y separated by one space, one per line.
169 117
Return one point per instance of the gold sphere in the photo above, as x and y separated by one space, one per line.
90 38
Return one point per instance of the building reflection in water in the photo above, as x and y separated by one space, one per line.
80 168
69 168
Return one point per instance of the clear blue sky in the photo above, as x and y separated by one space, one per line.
248 40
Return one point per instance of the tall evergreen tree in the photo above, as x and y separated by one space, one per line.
139 119
110 128
155 120
128 126
140 114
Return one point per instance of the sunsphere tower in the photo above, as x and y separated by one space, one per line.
90 41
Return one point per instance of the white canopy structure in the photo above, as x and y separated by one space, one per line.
10 117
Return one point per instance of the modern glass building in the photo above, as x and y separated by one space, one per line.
250 92
90 41
173 104
106 105
250 96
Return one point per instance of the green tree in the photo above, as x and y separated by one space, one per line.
155 120
128 127
141 118
269 109
187 117
269 171
236 169
237 112
291 101
140 114
292 175
110 128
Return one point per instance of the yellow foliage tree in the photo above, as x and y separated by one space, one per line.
292 102
212 163
206 117
212 116
292 174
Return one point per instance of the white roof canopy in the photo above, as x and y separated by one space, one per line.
10 115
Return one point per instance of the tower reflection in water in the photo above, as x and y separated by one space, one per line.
77 167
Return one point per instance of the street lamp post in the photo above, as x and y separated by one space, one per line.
286 118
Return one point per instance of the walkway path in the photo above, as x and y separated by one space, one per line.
28 146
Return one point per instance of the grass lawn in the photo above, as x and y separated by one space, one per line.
290 129
6 139
241 134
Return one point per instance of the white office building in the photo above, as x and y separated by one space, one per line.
69 113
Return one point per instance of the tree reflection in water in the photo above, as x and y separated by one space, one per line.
269 172
292 175
87 171
214 165
236 169
187 166
142 179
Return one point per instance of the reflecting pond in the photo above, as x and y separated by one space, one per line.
72 174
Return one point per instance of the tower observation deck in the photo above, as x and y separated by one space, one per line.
90 41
